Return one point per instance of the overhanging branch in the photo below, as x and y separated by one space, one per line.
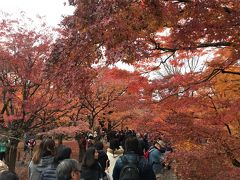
203 45
229 72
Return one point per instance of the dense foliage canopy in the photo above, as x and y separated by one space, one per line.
184 88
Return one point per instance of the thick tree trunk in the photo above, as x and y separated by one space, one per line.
11 155
81 147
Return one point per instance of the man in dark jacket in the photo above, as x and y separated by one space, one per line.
132 154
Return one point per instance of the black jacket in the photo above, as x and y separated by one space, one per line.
92 173
102 158
146 172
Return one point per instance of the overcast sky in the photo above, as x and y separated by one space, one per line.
51 9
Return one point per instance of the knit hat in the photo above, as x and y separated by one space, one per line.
3 166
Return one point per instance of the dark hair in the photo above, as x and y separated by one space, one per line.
63 152
46 148
132 144
65 168
88 159
8 175
114 144
99 145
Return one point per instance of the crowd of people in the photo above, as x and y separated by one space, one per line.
125 155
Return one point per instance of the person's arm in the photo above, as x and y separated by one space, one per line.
116 170
161 158
146 170
149 173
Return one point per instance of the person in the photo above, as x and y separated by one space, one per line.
42 158
131 154
91 169
113 152
8 175
68 169
140 144
29 144
3 148
3 166
30 141
146 143
156 157
90 141
50 173
102 156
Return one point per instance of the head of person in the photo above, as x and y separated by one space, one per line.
138 135
63 152
99 145
114 144
48 147
68 169
90 157
159 144
8 175
45 148
90 136
132 145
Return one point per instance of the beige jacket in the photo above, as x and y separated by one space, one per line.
113 156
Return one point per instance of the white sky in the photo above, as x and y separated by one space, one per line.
51 9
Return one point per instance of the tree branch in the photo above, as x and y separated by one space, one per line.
229 72
203 45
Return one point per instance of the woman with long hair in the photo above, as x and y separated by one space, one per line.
43 157
91 169
50 173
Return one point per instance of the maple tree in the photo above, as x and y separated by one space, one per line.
88 104
150 34
99 96
28 99
196 109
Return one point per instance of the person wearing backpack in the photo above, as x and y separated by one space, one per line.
132 166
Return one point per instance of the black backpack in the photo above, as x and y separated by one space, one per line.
130 170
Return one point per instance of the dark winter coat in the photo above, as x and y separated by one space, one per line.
49 173
94 172
35 170
102 158
146 172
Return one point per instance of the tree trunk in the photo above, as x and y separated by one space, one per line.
11 155
81 147
60 139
